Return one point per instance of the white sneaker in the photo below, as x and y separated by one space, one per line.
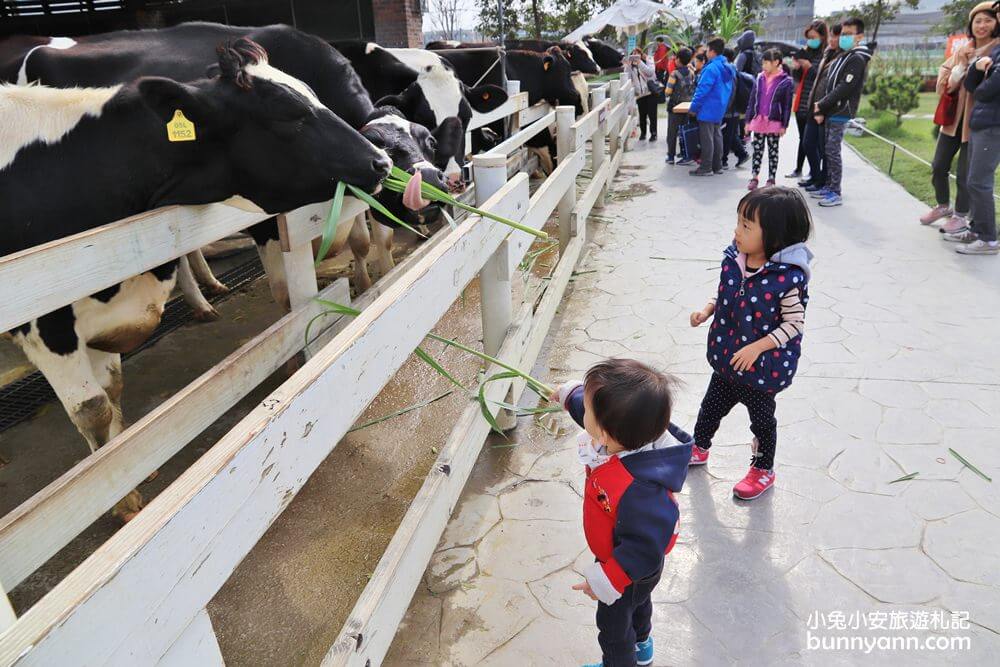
964 236
979 247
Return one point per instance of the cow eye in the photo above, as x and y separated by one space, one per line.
432 143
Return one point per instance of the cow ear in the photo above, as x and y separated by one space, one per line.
486 97
166 96
547 62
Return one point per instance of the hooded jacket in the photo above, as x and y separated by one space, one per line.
842 89
630 516
748 308
808 80
951 78
715 85
780 108
746 58
985 89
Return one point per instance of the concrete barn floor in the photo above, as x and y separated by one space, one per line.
899 365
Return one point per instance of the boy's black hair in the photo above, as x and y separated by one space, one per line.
836 29
631 401
773 56
819 25
782 213
729 54
855 22
684 56
716 45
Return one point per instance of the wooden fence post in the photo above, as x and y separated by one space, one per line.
490 174
7 615
565 115
597 147
300 275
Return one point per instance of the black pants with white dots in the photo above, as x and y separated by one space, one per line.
721 397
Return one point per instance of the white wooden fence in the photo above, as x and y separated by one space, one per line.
140 598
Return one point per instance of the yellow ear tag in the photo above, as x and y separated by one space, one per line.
180 128
546 65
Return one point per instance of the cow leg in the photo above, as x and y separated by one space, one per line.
203 274
203 310
382 237
360 242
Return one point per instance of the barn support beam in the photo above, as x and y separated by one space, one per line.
565 115
490 173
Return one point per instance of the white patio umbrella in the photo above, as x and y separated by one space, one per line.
630 17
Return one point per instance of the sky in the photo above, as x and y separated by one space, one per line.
469 14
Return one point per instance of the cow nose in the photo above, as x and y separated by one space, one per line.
382 165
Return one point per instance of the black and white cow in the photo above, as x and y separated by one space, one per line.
74 159
426 89
605 54
577 53
185 52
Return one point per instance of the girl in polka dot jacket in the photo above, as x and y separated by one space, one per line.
756 334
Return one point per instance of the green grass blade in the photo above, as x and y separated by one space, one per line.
330 228
487 413
968 465
375 204
403 411
338 308
493 360
905 478
433 363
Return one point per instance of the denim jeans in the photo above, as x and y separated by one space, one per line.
984 157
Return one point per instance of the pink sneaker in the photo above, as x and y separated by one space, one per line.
955 224
756 482
699 456
935 214
769 182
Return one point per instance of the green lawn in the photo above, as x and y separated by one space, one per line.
916 135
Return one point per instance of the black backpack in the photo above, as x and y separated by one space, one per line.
742 89
753 63
683 89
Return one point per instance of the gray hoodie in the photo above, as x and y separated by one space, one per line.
745 58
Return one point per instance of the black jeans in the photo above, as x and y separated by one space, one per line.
626 622
800 158
814 141
944 153
721 397
732 140
647 114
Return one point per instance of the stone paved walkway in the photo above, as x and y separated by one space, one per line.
900 363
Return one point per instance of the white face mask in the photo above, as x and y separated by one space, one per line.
589 452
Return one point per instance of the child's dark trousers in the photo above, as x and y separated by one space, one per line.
626 622
721 397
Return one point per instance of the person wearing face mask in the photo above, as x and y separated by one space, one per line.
805 66
954 112
814 141
838 103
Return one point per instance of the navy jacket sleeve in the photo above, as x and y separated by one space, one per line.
647 518
988 90
574 405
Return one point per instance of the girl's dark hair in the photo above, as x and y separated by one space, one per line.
819 26
837 29
782 213
992 13
773 56
684 56
631 401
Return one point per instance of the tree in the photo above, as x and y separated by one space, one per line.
876 12
490 18
896 93
536 18
446 17
956 15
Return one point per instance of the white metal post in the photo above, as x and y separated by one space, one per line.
565 115
597 148
490 174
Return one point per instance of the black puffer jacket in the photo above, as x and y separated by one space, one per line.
985 89
841 91
815 58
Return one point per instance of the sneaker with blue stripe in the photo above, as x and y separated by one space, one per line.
831 199
644 652
819 194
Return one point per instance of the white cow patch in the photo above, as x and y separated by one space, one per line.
264 70
371 46
586 49
580 84
440 86
394 120
61 43
38 113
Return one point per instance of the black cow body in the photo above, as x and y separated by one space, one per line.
71 160
578 54
607 55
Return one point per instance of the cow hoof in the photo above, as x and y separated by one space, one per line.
128 507
153 475
209 315
216 289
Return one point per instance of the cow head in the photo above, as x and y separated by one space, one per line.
605 55
484 98
558 80
580 57
266 136
412 148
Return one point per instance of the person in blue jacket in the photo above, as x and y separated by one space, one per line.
711 98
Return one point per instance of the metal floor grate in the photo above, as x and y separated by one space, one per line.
19 400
